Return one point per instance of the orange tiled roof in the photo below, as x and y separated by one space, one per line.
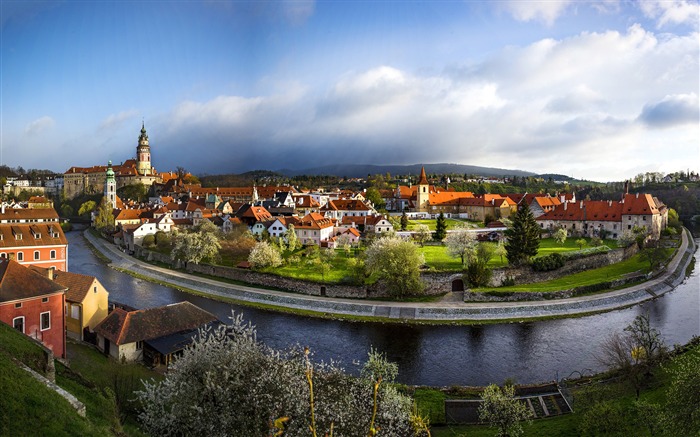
314 220
19 282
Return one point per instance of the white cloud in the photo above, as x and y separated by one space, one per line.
544 11
297 11
39 125
671 11
114 121
585 102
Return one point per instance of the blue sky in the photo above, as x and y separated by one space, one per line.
598 90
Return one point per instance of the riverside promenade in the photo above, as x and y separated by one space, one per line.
446 310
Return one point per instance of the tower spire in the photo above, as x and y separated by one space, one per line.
423 180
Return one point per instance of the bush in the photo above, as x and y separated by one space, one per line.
66 226
509 281
548 262
478 275
149 241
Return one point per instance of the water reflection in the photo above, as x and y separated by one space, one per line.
431 355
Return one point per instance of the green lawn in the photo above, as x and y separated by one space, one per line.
310 270
588 277
549 245
451 223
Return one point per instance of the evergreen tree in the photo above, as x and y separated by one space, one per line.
440 228
404 221
522 237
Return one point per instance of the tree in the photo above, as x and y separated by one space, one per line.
227 383
560 236
580 243
66 210
501 410
461 243
398 262
682 415
522 237
374 196
86 208
404 221
136 192
634 351
440 228
104 221
292 240
500 250
654 255
422 234
201 243
478 274
149 241
264 255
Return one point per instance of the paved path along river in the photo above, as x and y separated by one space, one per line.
431 355
443 311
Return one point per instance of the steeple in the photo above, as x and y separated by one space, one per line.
111 186
423 180
143 153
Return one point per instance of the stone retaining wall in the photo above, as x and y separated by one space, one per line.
435 283
526 275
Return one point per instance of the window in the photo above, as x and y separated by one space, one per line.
53 254
20 256
139 345
18 305
44 299
36 255
629 226
18 324
75 311
94 289
46 320
644 218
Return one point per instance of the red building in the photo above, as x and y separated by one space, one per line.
33 237
33 304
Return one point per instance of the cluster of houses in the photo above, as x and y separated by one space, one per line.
42 299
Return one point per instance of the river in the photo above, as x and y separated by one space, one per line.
446 355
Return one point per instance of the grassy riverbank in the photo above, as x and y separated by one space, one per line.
604 404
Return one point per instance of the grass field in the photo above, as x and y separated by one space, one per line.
451 224
588 277
617 394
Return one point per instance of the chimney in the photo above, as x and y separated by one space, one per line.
637 195
50 272
582 204
565 205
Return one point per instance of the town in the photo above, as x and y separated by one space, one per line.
266 230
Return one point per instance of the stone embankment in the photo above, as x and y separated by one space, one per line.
448 310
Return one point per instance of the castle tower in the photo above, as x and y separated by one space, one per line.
111 186
143 154
423 192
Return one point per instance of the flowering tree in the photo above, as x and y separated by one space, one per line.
422 234
197 245
461 243
397 261
228 384
264 255
502 410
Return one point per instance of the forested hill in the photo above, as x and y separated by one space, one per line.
362 170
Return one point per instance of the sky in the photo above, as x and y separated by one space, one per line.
595 90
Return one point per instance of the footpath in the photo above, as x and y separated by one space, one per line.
447 310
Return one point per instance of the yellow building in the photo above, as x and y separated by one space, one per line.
86 302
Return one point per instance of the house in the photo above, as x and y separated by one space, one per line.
314 228
378 224
86 302
250 215
133 235
591 218
33 304
33 237
280 226
155 335
543 204
339 208
306 204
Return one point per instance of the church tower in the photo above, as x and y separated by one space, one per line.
143 154
423 192
111 186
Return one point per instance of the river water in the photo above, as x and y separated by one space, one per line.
527 352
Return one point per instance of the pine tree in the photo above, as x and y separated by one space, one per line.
440 228
522 237
404 221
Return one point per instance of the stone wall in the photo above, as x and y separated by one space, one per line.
526 275
290 284
435 283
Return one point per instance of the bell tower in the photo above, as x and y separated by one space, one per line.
111 186
423 192
143 154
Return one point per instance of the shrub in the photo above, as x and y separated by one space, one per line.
264 255
509 281
548 262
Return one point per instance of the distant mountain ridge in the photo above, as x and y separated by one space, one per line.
362 170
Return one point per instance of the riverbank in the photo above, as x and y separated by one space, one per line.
454 311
